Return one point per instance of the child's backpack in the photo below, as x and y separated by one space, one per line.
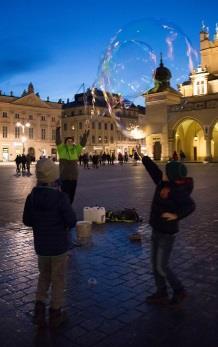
127 215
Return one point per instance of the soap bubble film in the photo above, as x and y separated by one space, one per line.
126 71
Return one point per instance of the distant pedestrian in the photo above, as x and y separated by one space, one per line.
28 163
182 155
18 160
175 156
48 211
171 203
23 163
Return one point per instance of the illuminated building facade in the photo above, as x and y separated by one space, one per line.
27 125
187 119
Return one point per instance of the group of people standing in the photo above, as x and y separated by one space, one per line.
23 163
181 156
96 159
48 210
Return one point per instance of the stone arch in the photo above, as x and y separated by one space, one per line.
189 137
214 140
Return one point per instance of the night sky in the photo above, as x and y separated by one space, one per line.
57 45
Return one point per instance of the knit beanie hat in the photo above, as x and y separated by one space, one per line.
175 170
46 171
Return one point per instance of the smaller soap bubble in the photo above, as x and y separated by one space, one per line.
92 282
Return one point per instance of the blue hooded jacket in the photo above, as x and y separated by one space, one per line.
49 212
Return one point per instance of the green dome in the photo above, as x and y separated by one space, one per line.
162 74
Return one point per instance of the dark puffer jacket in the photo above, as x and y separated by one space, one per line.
49 213
169 196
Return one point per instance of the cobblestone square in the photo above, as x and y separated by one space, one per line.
113 311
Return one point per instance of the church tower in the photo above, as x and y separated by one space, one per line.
157 101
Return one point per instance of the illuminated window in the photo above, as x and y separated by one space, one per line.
17 132
4 131
30 133
53 135
43 134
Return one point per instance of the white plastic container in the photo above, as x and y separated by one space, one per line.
88 214
100 215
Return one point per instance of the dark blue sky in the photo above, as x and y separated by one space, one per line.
57 45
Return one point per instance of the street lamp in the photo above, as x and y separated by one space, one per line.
23 126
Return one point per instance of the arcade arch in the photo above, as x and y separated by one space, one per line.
189 137
214 142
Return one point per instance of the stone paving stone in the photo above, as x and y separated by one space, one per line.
114 312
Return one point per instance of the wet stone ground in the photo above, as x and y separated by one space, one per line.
108 280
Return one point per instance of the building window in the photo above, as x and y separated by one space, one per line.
93 139
43 133
30 133
53 135
4 131
112 139
202 88
80 125
43 118
17 132
93 125
53 119
65 126
199 88
17 116
105 139
4 114
30 117
99 139
112 127
105 126
99 126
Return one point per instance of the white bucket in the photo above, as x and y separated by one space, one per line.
83 232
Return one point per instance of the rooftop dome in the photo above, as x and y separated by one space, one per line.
162 74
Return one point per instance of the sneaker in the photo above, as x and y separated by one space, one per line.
158 299
178 297
56 317
39 314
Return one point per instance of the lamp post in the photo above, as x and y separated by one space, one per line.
23 126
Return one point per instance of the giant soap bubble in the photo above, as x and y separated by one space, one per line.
127 67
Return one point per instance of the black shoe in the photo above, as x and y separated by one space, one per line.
158 298
56 318
39 314
178 297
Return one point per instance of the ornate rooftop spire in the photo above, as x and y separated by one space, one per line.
30 88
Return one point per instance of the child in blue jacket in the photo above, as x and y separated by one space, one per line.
48 211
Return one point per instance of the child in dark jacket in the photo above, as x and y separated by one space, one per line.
48 211
171 202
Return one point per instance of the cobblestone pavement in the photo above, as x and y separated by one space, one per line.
113 311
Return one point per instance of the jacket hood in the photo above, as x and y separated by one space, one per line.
44 198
